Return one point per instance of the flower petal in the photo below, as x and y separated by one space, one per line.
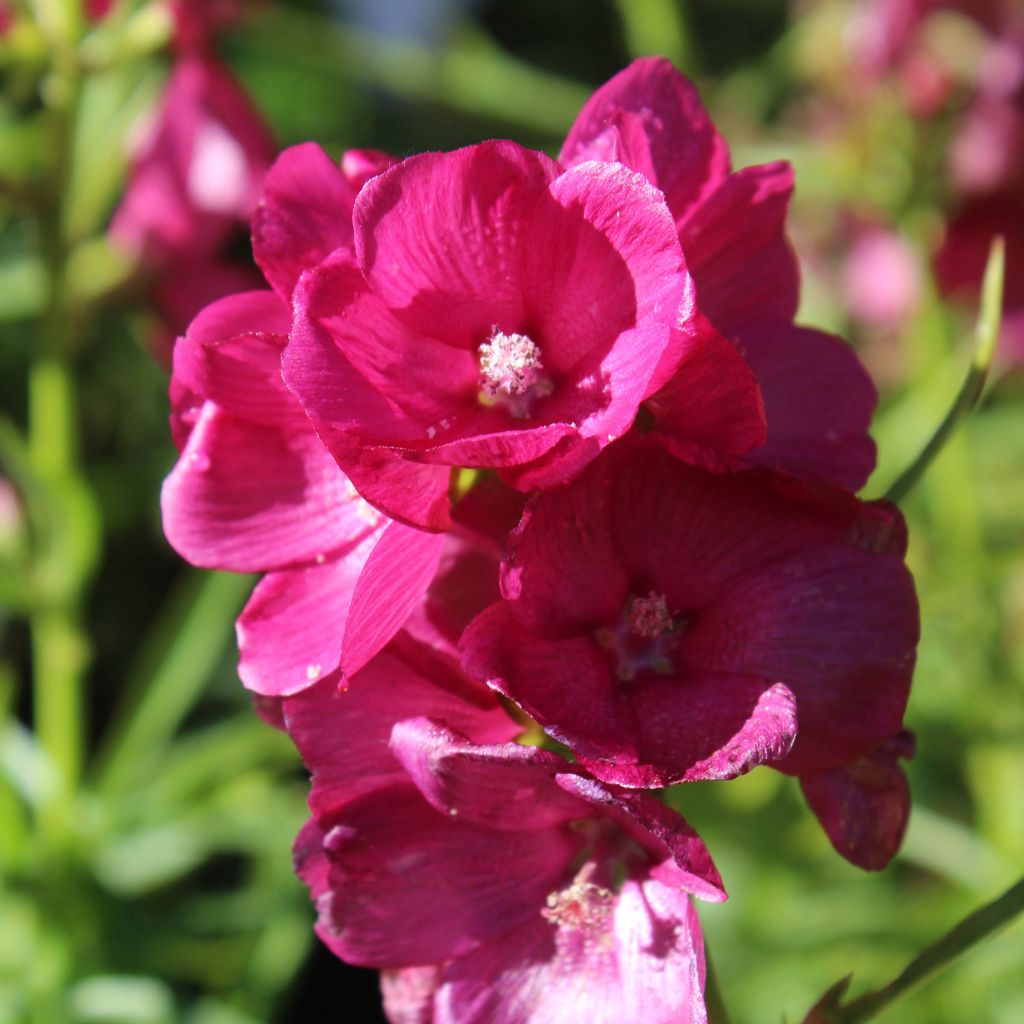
818 402
737 251
863 807
249 497
415 886
440 237
305 213
650 118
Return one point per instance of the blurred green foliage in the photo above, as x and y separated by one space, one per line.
148 879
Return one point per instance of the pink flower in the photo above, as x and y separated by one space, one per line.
498 313
817 399
535 893
881 280
198 174
668 624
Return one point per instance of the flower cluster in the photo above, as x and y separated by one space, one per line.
532 448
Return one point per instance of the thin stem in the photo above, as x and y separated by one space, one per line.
968 933
986 334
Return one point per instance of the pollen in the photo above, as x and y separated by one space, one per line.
582 906
509 365
649 616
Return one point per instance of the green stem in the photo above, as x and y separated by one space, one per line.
59 645
969 932
713 1000
987 334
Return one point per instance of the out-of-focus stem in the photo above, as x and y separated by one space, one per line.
987 334
59 647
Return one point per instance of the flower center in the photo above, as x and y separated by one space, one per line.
581 906
511 372
643 638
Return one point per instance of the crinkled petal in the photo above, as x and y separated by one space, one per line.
818 402
344 735
680 857
507 786
305 213
650 118
441 237
737 251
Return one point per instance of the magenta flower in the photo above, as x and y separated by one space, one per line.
198 174
537 893
498 313
818 400
669 624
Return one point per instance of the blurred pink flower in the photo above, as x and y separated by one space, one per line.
881 280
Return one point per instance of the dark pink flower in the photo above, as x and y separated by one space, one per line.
199 171
254 490
535 893
499 313
731 227
669 624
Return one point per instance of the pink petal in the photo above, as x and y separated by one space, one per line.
360 165
647 954
864 806
392 583
737 251
440 237
290 632
304 215
818 401
838 626
419 887
249 497
507 786
344 735
712 404
409 994
231 355
605 274
650 118
351 363
561 568
685 533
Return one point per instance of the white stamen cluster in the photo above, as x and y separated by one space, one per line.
509 365
582 906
